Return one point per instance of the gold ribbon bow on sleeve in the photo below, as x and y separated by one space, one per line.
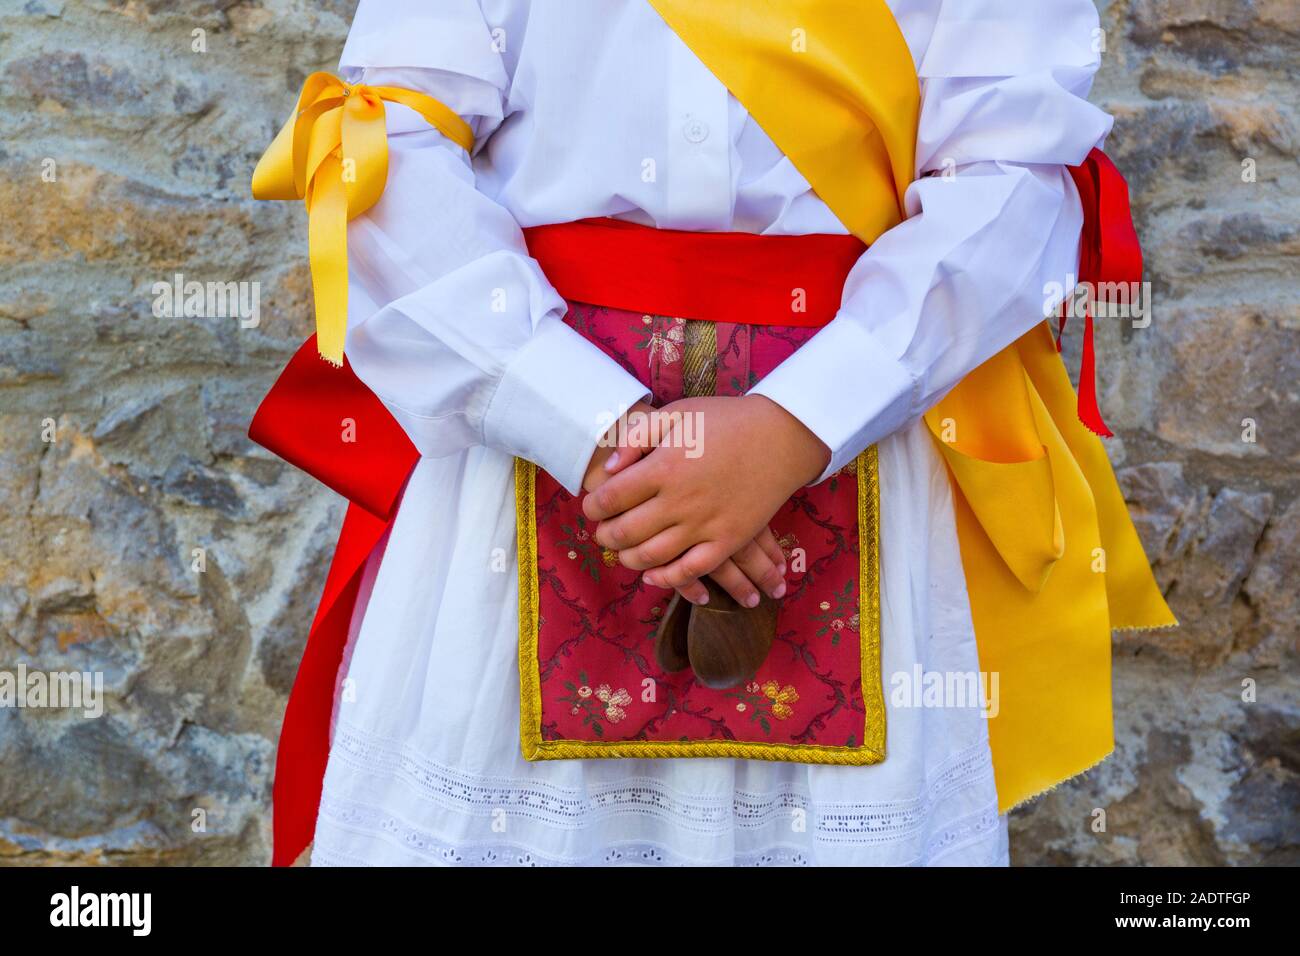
333 154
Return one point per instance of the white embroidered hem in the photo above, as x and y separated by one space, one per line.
352 832
425 764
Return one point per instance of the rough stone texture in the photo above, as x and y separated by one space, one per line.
153 145
1200 776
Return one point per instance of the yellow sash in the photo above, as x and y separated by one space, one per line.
1052 560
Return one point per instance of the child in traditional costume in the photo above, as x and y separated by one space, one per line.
824 230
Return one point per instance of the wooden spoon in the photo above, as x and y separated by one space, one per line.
670 639
726 642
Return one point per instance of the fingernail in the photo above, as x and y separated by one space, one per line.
751 601
704 599
651 580
779 592
611 462
781 568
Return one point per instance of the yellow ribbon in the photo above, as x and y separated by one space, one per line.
1051 557
333 154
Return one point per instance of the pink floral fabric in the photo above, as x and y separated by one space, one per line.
597 620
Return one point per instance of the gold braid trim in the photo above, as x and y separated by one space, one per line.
873 694
530 681
699 358
873 689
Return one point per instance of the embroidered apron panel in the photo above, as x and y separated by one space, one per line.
590 685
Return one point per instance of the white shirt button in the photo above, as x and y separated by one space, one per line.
695 131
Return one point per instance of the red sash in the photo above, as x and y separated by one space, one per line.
720 276
725 277
303 419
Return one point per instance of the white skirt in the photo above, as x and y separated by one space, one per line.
425 765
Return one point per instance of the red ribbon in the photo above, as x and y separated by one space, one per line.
1108 253
325 421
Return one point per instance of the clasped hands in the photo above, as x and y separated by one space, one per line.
679 510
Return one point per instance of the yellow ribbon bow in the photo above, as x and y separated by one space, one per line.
333 154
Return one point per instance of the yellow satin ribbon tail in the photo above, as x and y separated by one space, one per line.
1051 558
1132 593
332 153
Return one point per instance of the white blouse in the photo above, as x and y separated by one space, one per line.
595 108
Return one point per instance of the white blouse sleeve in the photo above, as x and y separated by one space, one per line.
450 322
993 218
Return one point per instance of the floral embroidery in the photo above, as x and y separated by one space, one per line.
836 617
781 698
764 701
665 344
603 703
787 543
580 545
615 701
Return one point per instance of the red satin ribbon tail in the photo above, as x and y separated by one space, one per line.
1109 252
301 759
304 736
1089 410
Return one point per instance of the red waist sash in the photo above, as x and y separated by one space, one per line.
719 276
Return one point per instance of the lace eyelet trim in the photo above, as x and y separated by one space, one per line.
462 794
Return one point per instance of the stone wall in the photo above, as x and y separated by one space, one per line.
142 536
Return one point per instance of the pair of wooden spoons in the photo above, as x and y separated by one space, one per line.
723 642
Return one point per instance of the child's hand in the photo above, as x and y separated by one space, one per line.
681 512
621 446
759 564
